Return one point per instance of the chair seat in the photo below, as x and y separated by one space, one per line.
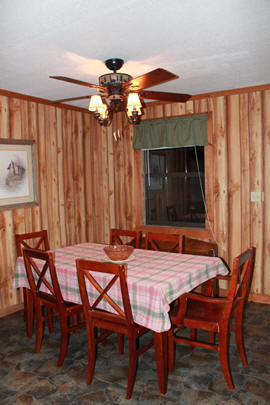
50 299
206 314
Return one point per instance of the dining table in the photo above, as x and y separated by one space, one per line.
155 279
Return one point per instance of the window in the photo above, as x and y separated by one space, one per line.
174 185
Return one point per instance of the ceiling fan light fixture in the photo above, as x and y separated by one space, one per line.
134 101
103 111
134 106
100 109
95 103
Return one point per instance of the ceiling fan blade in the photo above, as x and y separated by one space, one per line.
75 81
150 79
163 96
70 99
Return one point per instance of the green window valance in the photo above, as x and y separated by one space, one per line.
171 132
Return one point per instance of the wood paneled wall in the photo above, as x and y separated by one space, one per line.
90 182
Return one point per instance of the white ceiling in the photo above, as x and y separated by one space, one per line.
211 44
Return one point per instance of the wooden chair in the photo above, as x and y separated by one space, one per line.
35 240
214 314
199 247
41 273
125 237
120 320
163 242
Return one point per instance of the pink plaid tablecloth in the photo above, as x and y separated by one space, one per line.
155 279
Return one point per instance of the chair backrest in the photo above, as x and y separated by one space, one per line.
193 246
41 272
164 242
125 237
87 272
241 277
33 240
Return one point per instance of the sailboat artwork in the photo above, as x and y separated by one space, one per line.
16 174
13 181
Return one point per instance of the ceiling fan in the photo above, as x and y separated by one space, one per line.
124 92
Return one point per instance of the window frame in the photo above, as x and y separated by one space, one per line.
209 193
158 178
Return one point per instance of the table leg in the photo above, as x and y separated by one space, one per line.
161 350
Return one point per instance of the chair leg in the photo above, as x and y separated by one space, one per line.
91 355
193 336
28 311
50 320
238 315
120 338
39 326
223 356
211 337
104 341
132 344
63 348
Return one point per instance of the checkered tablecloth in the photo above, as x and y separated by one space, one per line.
155 279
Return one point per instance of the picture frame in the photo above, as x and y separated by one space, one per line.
18 175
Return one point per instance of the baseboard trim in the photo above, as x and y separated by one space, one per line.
10 310
253 297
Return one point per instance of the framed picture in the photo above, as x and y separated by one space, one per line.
18 183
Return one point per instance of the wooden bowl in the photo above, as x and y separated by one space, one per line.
118 252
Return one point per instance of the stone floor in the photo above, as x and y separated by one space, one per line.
28 378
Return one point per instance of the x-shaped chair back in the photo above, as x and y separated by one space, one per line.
164 242
32 240
193 246
86 270
125 237
41 273
241 277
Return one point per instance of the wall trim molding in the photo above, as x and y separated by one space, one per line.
8 93
221 93
151 103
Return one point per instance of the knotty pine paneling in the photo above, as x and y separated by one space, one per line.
237 162
89 182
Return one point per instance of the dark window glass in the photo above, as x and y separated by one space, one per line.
174 182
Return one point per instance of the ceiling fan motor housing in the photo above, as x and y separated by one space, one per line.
113 83
114 79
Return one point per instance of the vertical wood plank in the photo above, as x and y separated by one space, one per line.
42 163
88 127
220 198
60 164
33 134
111 185
234 177
52 177
68 179
105 185
266 179
245 172
256 184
